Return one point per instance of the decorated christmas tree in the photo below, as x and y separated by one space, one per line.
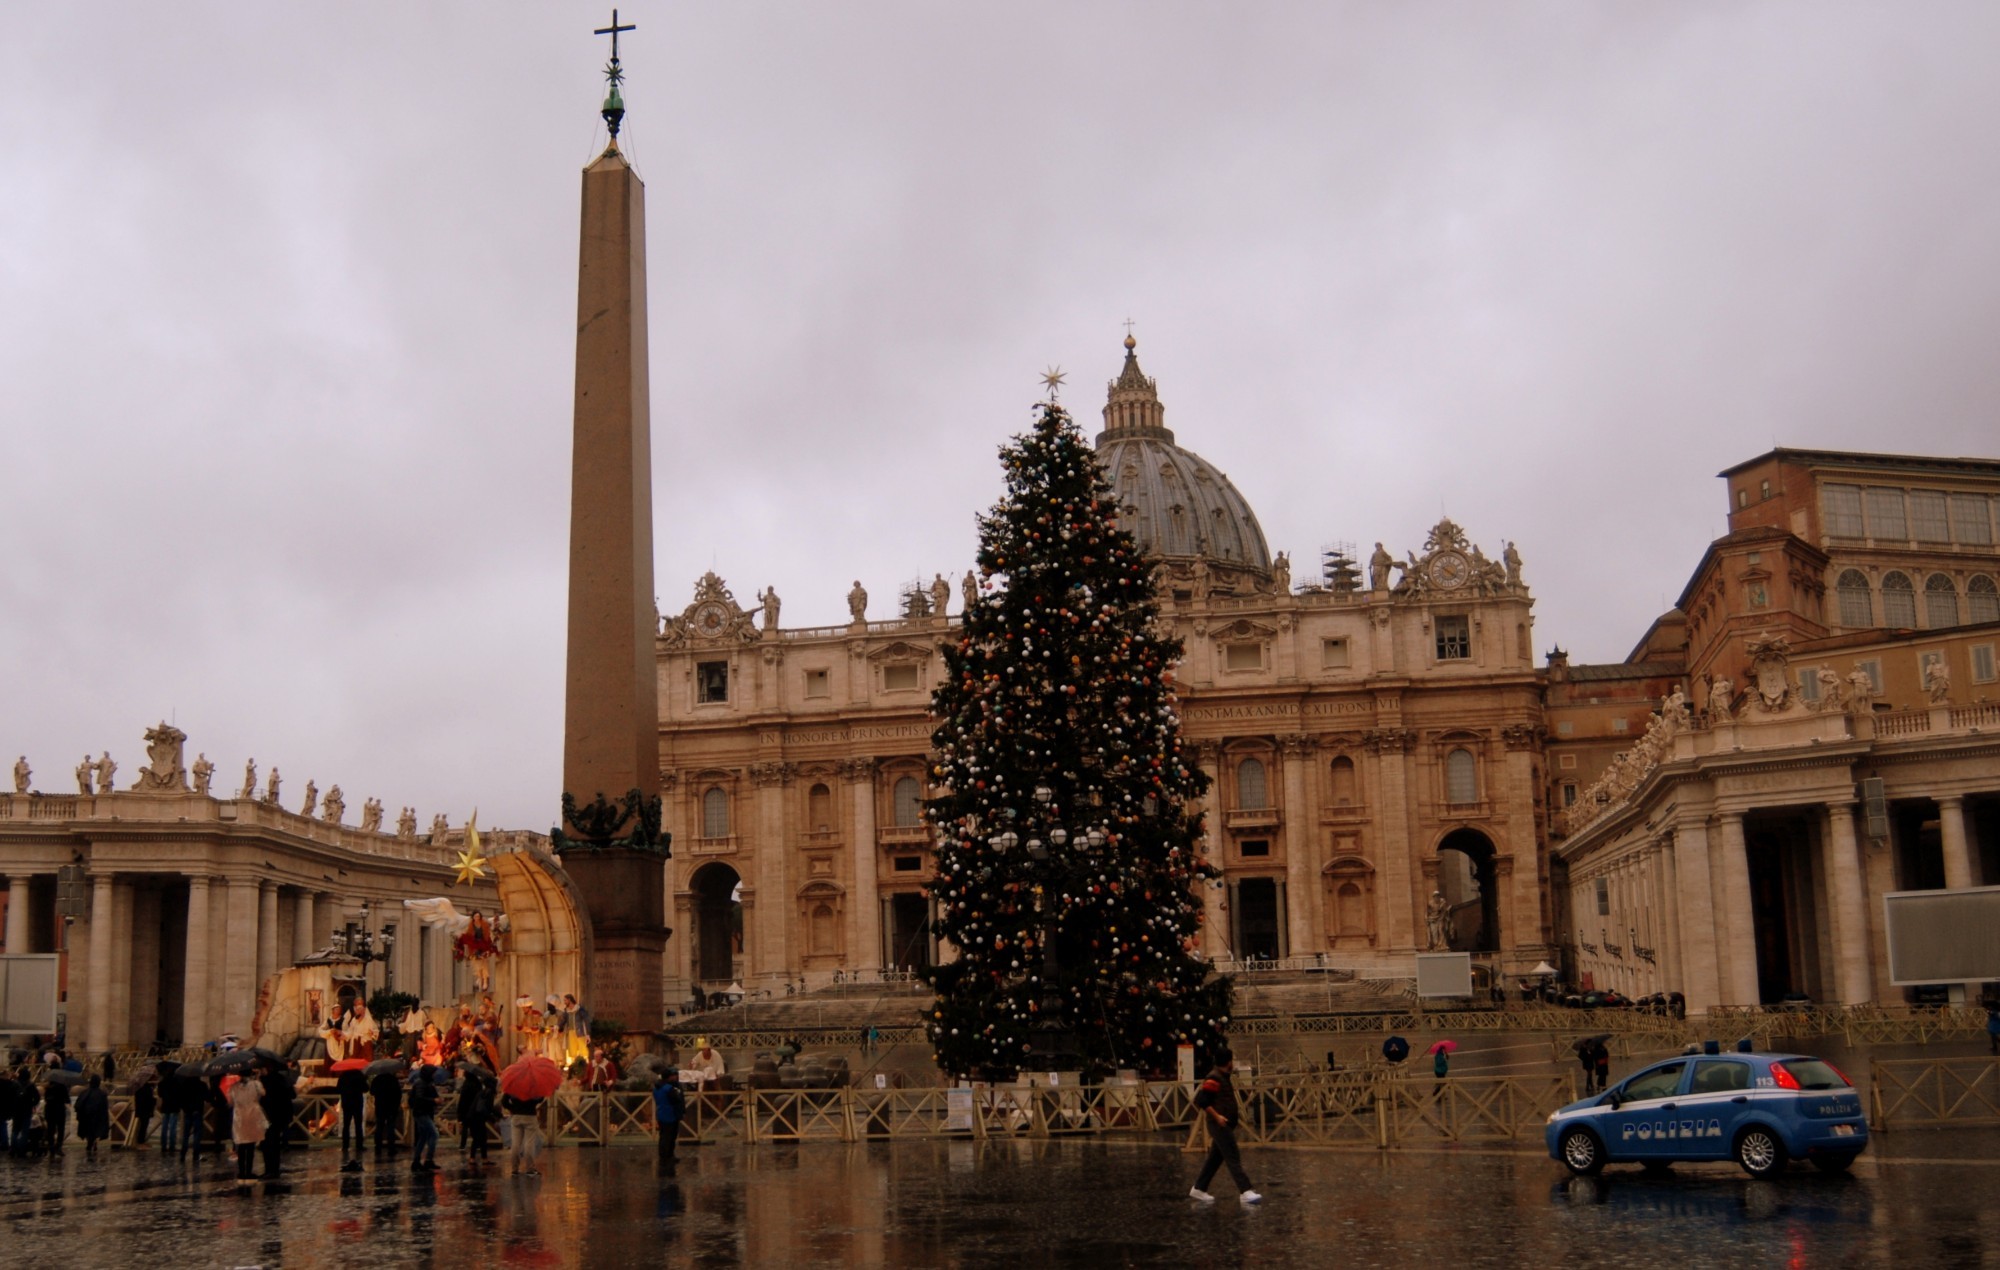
1067 867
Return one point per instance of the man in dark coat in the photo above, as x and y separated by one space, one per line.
352 1087
55 1114
1215 1098
10 1109
388 1094
93 1116
279 1098
143 1102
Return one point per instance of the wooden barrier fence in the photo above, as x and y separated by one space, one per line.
1934 1091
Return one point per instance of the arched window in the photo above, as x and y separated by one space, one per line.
1461 777
1899 601
715 813
1857 606
909 803
1344 792
1982 600
1250 792
819 809
1940 602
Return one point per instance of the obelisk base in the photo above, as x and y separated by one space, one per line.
625 891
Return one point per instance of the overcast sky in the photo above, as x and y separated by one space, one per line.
287 303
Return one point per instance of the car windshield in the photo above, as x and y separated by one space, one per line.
1661 1082
1813 1074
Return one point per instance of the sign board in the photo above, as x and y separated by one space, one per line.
1950 936
958 1110
28 994
1184 1064
881 1080
1444 974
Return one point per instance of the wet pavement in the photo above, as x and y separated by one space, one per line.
1919 1197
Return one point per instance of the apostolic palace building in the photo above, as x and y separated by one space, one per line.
1813 726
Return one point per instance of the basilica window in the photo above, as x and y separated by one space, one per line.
817 684
711 682
1857 605
1256 849
1982 664
1899 601
1603 897
1842 505
1928 517
1454 638
714 813
1251 794
1873 669
1885 513
1940 602
1461 777
1971 522
909 803
899 678
908 864
825 931
1243 656
819 809
1569 793
1809 684
1982 600
1333 654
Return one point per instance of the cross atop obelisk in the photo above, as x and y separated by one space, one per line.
614 75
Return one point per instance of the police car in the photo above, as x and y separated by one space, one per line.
1760 1110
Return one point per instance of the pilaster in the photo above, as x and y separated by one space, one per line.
195 988
864 906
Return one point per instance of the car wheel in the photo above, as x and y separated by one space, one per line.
1760 1152
1833 1163
1581 1153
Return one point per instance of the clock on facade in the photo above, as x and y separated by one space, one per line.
710 619
1449 570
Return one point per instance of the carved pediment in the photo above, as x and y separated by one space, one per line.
1243 629
899 651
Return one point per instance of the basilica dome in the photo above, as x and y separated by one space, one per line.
1176 503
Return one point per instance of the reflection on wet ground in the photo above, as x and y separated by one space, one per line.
1924 1200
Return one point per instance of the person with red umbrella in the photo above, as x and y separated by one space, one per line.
1441 1065
524 1086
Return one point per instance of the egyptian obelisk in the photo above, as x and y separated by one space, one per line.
610 838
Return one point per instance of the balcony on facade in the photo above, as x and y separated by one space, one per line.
1253 818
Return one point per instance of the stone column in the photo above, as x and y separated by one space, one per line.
267 932
1732 888
17 912
1957 854
1698 929
103 927
304 920
119 969
1850 922
1402 906
239 975
195 979
771 952
1668 933
1301 831
864 949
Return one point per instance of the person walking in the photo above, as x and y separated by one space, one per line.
475 1108
55 1114
279 1099
10 1110
1993 1029
1586 1056
352 1088
1440 1068
387 1092
247 1124
143 1103
669 1109
1215 1098
423 1121
1600 1061
524 1143
93 1116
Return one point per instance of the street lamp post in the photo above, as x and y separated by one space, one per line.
367 947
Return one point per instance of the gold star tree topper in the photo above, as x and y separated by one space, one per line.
1052 379
471 865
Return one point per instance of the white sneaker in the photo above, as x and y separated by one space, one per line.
1200 1194
1252 1197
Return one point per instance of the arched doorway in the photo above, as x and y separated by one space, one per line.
718 923
1467 878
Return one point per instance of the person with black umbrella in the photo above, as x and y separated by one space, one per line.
387 1092
143 1102
280 1096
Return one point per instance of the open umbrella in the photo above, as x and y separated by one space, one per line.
231 1061
144 1074
531 1077
349 1065
394 1066
1395 1049
1589 1042
165 1067
1543 968
63 1076
1446 1045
